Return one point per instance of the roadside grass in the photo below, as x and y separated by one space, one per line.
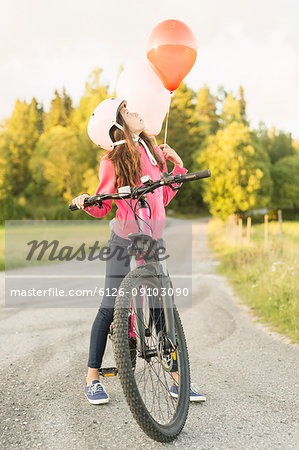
265 277
85 231
70 234
2 248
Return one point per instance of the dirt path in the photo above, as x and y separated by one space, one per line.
247 374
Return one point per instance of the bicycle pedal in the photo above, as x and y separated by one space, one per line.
108 372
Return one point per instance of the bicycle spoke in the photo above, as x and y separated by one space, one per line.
151 379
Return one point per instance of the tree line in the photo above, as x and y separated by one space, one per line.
47 158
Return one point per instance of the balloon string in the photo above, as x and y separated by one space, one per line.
166 126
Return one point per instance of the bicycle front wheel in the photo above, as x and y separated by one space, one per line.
157 389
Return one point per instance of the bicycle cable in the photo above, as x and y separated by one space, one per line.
135 213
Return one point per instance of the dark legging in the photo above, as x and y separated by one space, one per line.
117 267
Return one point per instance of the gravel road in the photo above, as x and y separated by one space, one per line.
247 373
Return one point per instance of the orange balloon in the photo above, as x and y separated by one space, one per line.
171 50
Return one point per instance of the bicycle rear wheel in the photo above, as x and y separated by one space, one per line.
147 386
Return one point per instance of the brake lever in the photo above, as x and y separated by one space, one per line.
165 177
176 188
98 203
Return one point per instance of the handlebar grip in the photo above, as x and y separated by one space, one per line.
73 207
88 201
197 175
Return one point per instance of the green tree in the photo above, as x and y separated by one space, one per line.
90 180
281 146
184 137
264 136
58 164
18 138
95 93
60 111
206 110
68 107
296 146
240 171
285 175
243 105
21 136
231 110
3 169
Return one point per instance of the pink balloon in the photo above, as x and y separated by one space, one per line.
145 94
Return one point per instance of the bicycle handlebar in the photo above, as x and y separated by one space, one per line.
149 186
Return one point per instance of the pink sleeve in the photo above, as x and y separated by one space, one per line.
168 193
106 186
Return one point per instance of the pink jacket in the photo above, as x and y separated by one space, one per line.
124 220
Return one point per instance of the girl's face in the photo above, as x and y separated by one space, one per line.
134 122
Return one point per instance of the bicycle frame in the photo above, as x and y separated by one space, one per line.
163 275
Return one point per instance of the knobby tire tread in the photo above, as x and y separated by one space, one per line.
153 429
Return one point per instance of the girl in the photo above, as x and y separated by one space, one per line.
130 155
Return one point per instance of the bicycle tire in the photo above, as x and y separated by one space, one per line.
155 430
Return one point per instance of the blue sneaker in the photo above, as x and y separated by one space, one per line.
96 393
195 396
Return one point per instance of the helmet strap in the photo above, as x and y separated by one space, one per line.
151 158
118 126
123 141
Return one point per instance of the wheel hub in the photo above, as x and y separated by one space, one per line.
164 352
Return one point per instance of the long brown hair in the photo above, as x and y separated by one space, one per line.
126 157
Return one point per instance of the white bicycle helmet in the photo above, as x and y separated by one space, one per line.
101 122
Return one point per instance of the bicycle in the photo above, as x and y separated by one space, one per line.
148 338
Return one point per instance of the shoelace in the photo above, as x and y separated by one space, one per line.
95 388
194 388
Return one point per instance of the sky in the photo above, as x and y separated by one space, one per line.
45 45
